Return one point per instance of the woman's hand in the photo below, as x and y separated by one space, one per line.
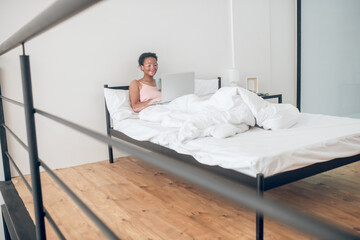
155 100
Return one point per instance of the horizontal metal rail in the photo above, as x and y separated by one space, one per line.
47 214
77 200
19 172
220 185
53 15
16 137
12 101
54 225
302 222
105 229
62 10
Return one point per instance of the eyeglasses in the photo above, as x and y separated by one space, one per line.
151 65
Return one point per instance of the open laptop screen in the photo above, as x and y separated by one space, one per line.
174 85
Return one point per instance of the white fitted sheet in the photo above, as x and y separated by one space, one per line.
314 138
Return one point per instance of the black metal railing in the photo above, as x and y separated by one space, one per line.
56 13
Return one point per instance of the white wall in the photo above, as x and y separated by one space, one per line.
283 49
265 44
71 62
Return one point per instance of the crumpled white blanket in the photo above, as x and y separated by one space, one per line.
229 111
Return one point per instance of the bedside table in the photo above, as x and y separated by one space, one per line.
278 96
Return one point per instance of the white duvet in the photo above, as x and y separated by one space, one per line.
199 127
230 111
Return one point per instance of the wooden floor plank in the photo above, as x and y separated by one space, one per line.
138 201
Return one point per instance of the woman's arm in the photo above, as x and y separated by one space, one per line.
134 95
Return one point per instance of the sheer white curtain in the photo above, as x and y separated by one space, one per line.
330 57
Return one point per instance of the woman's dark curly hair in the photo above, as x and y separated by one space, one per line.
146 55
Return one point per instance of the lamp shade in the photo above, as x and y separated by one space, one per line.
233 76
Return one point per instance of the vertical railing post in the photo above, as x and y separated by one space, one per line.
298 55
108 126
4 147
259 215
32 147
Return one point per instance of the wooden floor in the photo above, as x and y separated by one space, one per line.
138 201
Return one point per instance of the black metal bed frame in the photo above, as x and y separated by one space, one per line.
260 183
16 219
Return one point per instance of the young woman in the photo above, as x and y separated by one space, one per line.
143 92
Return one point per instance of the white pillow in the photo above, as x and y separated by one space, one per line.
118 103
205 87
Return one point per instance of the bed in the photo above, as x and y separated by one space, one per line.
262 158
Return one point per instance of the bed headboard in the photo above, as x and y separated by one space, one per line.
117 87
107 114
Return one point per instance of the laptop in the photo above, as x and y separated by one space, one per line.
175 85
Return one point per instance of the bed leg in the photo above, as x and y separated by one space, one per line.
259 215
111 157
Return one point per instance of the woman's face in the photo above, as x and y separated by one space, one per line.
150 66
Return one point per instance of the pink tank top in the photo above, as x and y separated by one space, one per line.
149 92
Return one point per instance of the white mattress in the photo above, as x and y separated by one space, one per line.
315 138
